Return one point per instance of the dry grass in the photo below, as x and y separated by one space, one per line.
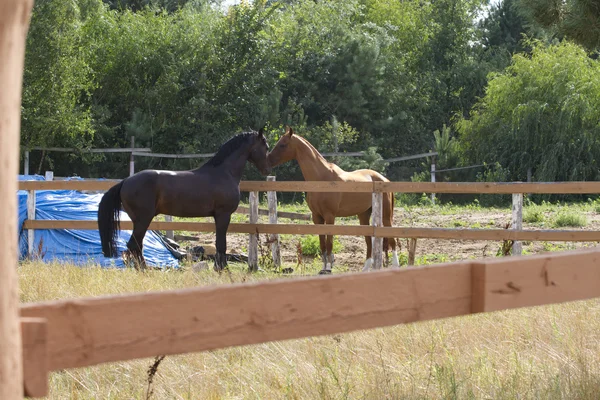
550 352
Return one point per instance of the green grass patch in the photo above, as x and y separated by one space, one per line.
569 219
533 215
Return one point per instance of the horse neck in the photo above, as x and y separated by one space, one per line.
236 161
313 165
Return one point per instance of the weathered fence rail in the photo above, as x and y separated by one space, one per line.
90 331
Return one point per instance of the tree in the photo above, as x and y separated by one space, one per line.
541 114
578 20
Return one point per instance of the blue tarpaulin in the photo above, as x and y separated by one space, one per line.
80 247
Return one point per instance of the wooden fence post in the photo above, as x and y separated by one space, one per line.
131 161
412 251
169 234
433 178
274 237
14 23
377 221
31 217
26 163
517 221
253 238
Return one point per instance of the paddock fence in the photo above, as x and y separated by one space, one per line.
77 333
376 230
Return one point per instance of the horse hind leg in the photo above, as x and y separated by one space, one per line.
136 242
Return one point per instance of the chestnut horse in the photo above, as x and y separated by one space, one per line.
326 207
210 190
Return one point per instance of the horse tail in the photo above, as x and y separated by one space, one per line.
108 219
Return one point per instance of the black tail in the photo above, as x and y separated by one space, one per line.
108 219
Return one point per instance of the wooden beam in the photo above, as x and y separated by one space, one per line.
35 356
291 229
140 150
307 186
413 157
350 230
376 222
89 331
67 185
517 221
180 156
490 234
280 214
513 282
489 188
253 236
273 237
362 187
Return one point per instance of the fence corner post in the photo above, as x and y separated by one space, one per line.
376 222
517 221
253 237
274 237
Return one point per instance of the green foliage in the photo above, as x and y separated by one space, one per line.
569 219
540 114
184 76
311 247
533 215
578 20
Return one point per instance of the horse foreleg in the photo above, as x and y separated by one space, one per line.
388 219
329 257
319 220
222 224
364 220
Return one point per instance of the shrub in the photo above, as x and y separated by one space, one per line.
533 215
570 219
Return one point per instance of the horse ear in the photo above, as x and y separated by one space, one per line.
287 129
261 132
290 132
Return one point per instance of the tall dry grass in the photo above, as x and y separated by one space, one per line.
550 352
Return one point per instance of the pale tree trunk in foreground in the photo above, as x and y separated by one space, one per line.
14 23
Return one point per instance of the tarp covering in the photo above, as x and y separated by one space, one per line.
80 247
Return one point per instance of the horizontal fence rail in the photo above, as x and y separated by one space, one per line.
362 187
89 331
348 230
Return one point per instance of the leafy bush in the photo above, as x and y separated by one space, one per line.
570 219
533 215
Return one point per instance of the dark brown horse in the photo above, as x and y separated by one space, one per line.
210 190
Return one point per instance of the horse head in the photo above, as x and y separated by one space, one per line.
284 150
259 153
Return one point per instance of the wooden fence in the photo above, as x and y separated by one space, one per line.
376 230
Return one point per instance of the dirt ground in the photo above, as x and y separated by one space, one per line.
429 251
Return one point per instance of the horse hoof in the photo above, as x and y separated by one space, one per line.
325 272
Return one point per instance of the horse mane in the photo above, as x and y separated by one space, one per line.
229 147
